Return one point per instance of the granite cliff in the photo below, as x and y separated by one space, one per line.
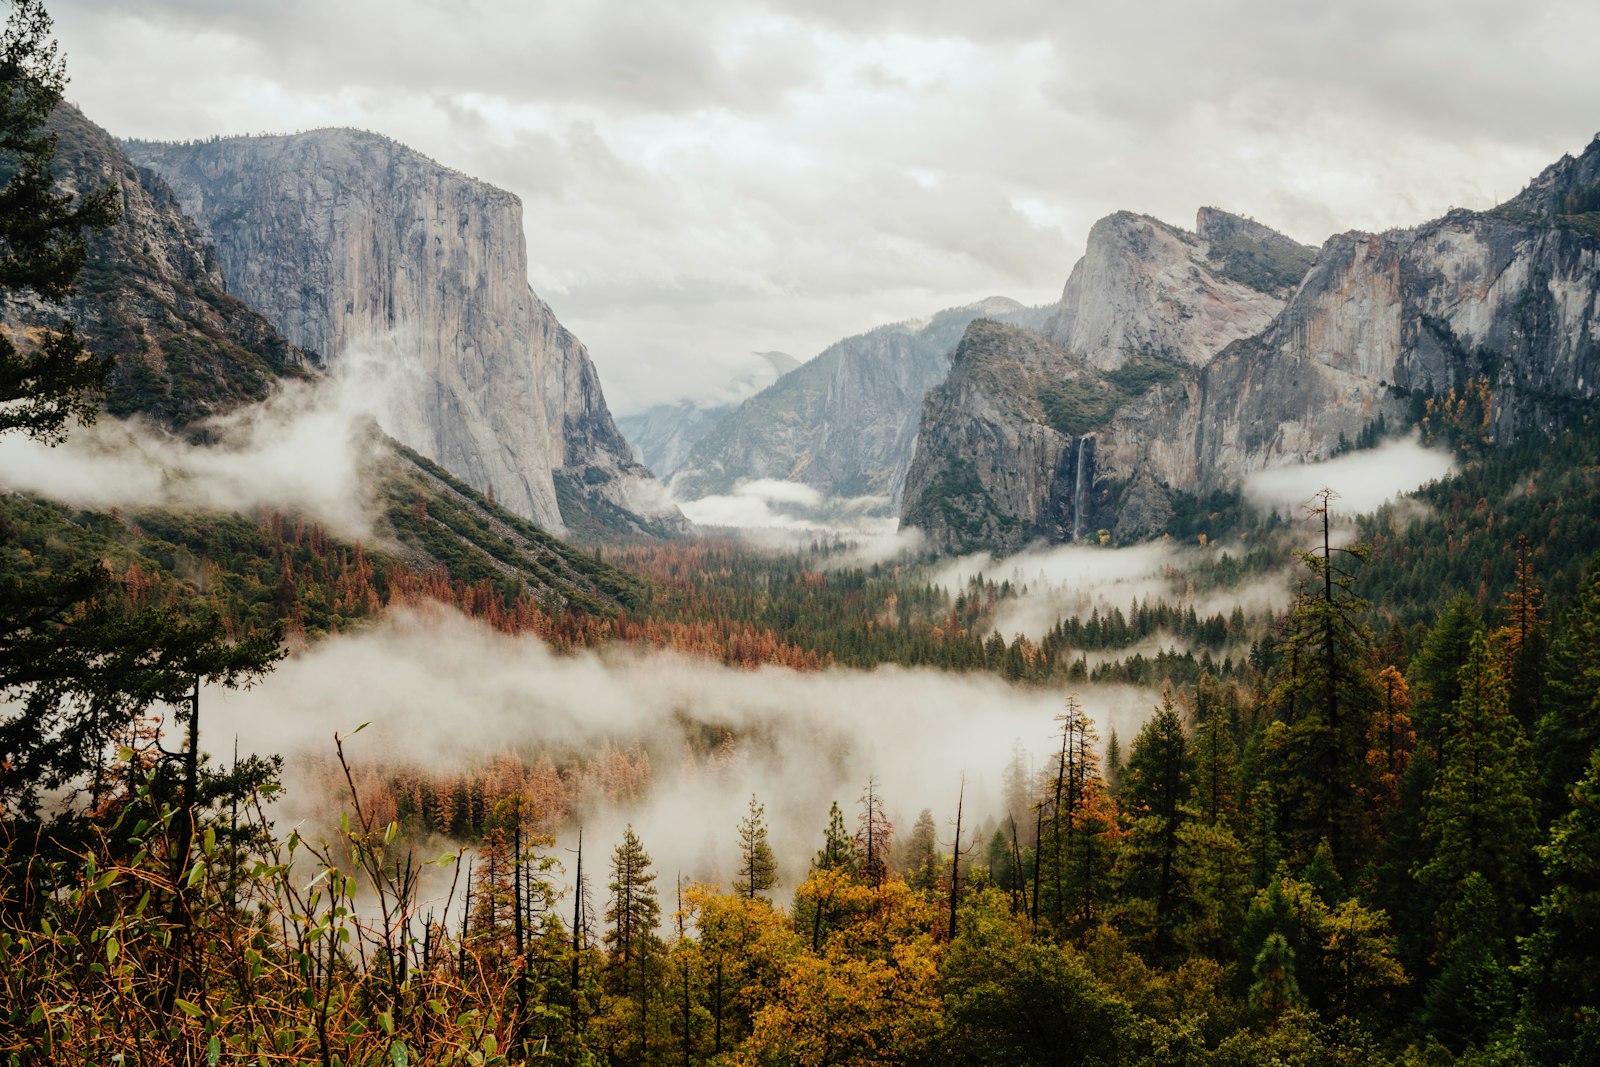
1144 287
1484 324
362 249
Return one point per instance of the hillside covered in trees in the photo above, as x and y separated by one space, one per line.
1358 822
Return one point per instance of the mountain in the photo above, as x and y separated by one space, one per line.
1480 326
1144 287
844 422
361 249
990 470
1144 305
151 295
663 434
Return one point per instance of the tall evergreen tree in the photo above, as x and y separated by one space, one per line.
52 380
75 665
1478 829
1569 729
1324 690
921 859
758 870
633 914
1155 789
1560 1020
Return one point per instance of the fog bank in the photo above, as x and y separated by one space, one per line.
444 692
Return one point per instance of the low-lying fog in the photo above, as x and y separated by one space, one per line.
445 693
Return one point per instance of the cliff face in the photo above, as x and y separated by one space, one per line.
357 246
1507 301
1143 287
845 422
990 470
151 296
1502 306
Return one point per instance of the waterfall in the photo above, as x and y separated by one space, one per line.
1080 485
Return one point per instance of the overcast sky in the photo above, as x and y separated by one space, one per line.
703 179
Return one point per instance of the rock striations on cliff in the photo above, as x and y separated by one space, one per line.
1146 304
366 251
991 469
1496 312
1146 288
844 423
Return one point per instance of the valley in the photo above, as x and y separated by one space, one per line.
1199 668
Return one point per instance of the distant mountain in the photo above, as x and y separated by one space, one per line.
351 242
662 435
844 422
1481 326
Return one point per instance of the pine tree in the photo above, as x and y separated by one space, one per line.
838 849
75 666
633 914
42 247
1275 989
1325 692
1478 817
1560 1021
1569 729
921 859
1155 788
758 870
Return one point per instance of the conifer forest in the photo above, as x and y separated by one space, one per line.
483 751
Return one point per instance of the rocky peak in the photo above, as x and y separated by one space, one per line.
1146 288
1569 186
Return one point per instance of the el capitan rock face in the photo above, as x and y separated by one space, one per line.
356 245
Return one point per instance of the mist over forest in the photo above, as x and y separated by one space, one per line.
1194 661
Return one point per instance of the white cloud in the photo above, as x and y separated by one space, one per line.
1362 481
706 178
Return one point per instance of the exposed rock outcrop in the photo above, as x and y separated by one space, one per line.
152 297
358 246
990 470
1146 288
1479 323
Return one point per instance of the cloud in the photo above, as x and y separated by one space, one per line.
446 693
707 178
1362 481
790 516
301 450
309 447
